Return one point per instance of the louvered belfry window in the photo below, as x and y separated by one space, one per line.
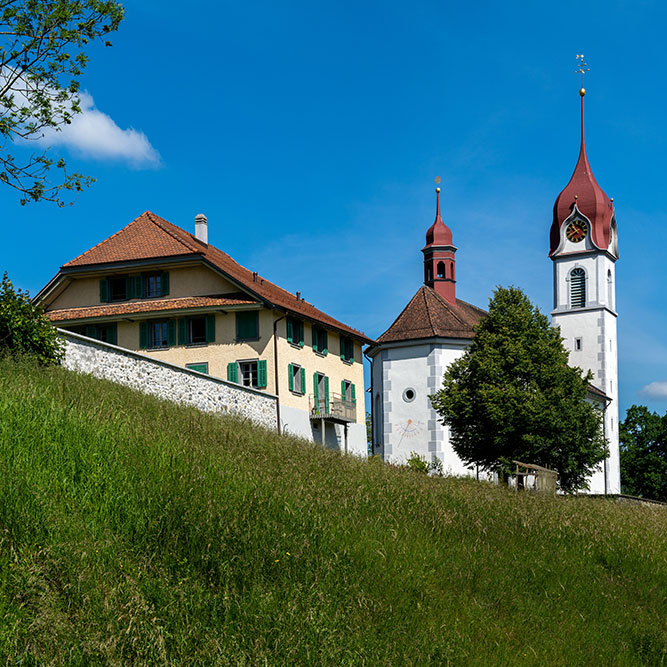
577 288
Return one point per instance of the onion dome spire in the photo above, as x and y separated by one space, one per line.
589 198
439 262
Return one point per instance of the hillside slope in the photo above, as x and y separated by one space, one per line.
133 531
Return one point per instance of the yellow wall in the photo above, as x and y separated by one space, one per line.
225 351
183 281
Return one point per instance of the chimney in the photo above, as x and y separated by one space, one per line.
201 228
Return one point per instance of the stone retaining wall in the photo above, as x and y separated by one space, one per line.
165 380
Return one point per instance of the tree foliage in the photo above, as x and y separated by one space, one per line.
42 45
23 327
512 396
643 436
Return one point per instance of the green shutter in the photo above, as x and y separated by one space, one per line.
200 368
91 331
290 377
325 347
342 348
112 334
143 335
342 389
290 330
164 284
171 333
326 394
129 285
104 290
261 374
354 397
233 372
300 327
182 331
314 330
316 393
210 328
247 325
138 287
303 380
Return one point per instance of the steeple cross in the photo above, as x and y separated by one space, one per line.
582 68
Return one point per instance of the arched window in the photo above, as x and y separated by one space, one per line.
441 270
429 275
610 291
577 288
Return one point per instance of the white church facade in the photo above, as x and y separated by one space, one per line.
435 328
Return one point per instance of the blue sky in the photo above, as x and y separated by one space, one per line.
310 135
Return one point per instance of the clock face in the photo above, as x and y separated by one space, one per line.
576 231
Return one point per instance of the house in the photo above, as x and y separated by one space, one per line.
435 328
155 288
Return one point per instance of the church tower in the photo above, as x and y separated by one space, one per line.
439 262
584 250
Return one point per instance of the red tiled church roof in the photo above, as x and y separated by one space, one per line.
429 315
151 237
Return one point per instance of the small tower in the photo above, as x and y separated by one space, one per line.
584 250
439 261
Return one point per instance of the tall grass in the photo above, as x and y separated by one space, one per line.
133 531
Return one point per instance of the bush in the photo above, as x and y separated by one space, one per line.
24 329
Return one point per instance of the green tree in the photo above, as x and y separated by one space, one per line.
643 436
42 56
512 396
23 327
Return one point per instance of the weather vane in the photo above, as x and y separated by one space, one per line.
582 68
437 182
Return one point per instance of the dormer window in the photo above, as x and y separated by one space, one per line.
577 288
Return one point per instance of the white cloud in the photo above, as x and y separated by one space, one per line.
94 134
655 390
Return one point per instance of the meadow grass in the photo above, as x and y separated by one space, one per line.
134 531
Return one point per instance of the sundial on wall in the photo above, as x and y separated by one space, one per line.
409 429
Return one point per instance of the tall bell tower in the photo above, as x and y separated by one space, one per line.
584 250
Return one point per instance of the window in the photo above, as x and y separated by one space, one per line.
346 349
320 394
199 367
296 379
247 325
577 344
441 270
295 331
250 373
348 391
409 395
117 289
320 340
577 288
156 334
152 286
610 290
196 330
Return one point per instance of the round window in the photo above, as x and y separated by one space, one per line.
409 395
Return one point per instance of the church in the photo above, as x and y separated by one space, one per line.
410 358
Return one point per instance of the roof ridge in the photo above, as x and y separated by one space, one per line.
446 303
428 310
162 224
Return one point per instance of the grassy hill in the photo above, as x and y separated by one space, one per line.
133 531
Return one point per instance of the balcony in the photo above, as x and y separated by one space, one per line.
334 409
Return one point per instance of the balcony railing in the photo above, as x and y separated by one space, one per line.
334 407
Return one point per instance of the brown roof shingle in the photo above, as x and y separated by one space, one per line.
154 305
149 236
429 315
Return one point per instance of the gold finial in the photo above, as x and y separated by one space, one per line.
576 196
582 68
437 189
437 182
612 199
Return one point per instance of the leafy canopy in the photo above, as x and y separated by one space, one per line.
23 327
42 56
643 437
512 396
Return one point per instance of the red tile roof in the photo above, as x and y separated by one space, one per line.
152 306
150 237
429 315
